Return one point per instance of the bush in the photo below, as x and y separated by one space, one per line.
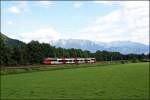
135 61
122 62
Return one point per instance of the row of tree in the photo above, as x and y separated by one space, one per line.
34 53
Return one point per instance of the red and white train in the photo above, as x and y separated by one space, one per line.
68 60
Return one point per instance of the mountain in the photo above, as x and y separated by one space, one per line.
127 47
10 41
78 44
124 47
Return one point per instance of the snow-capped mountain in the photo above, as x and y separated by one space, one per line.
127 47
124 47
77 43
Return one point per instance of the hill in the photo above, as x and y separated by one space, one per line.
10 41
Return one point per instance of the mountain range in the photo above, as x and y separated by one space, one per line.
124 47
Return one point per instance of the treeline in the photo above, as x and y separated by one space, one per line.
34 53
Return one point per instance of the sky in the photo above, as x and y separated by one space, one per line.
103 21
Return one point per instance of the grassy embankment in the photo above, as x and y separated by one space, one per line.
118 81
34 68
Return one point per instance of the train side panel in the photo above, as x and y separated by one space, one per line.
68 60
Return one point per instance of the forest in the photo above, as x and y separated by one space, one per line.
20 53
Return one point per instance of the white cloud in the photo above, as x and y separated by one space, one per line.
103 2
14 9
42 35
23 5
78 4
19 6
130 22
9 22
134 4
44 3
137 17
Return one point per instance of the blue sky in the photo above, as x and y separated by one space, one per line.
103 21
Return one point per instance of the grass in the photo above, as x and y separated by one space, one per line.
34 68
122 81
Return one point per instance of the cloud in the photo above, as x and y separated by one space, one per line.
23 5
137 17
42 35
19 7
103 2
130 22
44 4
14 9
9 22
78 4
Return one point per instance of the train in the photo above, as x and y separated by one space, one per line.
51 61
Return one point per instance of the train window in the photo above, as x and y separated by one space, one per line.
60 61
54 60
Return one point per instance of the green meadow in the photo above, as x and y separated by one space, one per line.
117 81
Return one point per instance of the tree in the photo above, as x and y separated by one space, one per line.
2 51
35 52
19 53
47 50
6 53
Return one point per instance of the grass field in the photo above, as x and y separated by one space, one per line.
122 81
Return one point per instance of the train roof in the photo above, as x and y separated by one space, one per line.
48 58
